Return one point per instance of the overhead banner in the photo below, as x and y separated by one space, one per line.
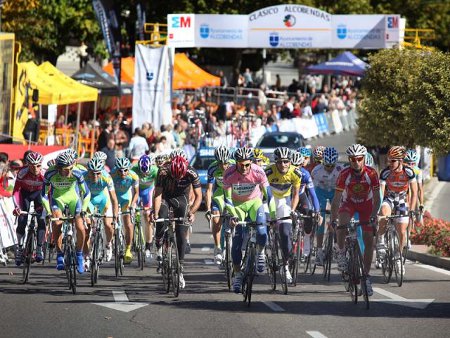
289 26
284 26
151 80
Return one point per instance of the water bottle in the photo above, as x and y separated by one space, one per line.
328 205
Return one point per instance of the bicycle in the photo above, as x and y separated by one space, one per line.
392 260
275 258
48 248
298 238
355 273
138 239
248 266
69 252
330 239
119 245
170 266
30 245
98 250
228 237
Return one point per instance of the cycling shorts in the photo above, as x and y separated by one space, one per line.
364 210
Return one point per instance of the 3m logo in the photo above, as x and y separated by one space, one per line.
392 22
181 22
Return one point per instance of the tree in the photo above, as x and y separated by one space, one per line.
405 100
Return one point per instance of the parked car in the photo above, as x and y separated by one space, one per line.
270 141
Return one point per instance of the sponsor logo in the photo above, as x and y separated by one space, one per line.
181 22
207 32
149 76
392 22
289 20
204 31
341 31
274 39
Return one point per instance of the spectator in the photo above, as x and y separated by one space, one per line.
104 135
138 145
110 151
223 79
278 83
84 129
83 54
248 81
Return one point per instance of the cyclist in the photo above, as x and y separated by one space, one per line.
147 173
172 188
65 186
412 158
103 198
214 199
306 154
126 185
260 159
308 202
396 180
27 189
317 158
357 190
284 180
325 176
162 160
245 184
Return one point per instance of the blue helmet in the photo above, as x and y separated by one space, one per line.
145 163
412 156
305 152
330 155
123 163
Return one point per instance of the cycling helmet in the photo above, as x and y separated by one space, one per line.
318 152
282 153
178 167
96 164
71 153
330 155
297 158
356 150
305 152
397 152
412 156
34 158
243 154
65 160
100 155
369 160
222 154
51 163
123 163
178 152
161 159
145 163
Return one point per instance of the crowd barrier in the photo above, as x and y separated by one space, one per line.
7 224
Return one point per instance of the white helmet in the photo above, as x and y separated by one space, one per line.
297 158
282 153
356 150
222 154
100 155
242 154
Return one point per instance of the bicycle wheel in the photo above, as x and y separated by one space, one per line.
175 268
280 264
73 281
28 256
353 276
121 252
405 248
386 262
167 265
95 259
362 275
295 261
271 262
116 253
328 256
247 284
228 261
397 259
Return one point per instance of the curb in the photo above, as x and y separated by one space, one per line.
425 258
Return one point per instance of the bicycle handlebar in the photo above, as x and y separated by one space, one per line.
159 220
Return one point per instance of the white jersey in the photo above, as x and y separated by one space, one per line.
325 180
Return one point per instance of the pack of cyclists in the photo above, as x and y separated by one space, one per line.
242 184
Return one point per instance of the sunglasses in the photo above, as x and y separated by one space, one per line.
284 161
329 165
356 159
245 165
123 170
393 160
96 173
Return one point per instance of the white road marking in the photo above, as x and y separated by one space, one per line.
316 334
399 300
121 303
209 262
206 248
433 268
274 307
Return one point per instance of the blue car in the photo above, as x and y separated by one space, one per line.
201 161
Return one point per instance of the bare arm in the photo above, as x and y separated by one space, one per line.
115 204
157 199
295 198
197 200
413 201
208 195
335 205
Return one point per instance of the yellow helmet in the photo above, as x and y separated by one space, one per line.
258 154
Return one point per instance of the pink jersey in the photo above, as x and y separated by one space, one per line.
27 183
245 188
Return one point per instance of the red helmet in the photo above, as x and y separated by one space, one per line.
178 167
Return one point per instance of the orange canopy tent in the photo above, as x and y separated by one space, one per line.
186 74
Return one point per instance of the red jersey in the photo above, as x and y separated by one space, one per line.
397 182
358 188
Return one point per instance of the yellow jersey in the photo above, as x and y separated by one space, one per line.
282 184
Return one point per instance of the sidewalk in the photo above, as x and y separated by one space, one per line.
420 253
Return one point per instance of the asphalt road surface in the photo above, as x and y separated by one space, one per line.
135 304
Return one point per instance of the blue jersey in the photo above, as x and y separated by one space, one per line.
307 186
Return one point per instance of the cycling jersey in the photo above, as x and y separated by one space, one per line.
397 182
215 174
307 191
419 174
358 188
72 191
172 188
123 187
100 191
245 188
281 184
146 184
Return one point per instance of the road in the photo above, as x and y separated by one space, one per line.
420 308
438 200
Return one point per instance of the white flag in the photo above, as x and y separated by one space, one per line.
151 86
